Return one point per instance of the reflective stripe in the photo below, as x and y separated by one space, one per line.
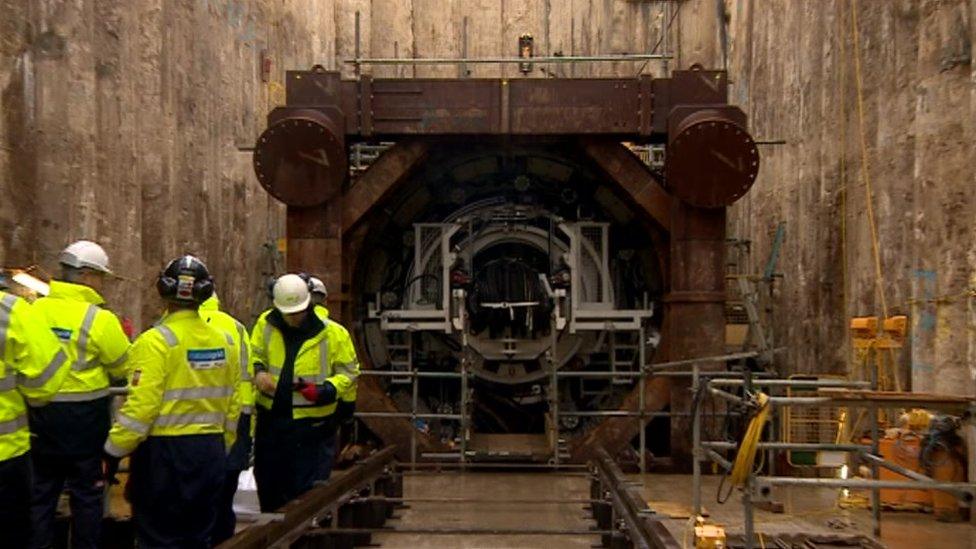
274 370
323 359
242 352
168 335
52 367
119 361
114 449
267 334
81 397
13 425
6 308
81 363
230 426
173 420
348 369
197 392
247 410
299 401
229 339
8 383
132 424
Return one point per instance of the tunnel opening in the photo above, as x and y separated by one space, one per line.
508 261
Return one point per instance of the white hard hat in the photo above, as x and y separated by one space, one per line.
291 294
318 287
85 254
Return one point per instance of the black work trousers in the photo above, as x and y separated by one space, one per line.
83 477
290 456
15 494
175 484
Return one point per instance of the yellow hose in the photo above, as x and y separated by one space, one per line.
746 456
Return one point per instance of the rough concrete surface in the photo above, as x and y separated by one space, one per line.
794 70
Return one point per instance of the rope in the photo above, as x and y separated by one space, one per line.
865 170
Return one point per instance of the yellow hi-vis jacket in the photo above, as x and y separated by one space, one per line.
32 365
91 337
184 379
348 395
210 311
329 356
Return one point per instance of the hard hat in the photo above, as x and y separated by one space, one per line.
85 254
291 294
187 279
318 287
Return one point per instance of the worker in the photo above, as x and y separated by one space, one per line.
240 454
319 294
302 364
346 405
33 366
180 418
69 432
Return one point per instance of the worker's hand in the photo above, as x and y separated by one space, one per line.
265 383
110 467
317 394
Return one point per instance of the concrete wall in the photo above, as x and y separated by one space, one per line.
122 121
793 69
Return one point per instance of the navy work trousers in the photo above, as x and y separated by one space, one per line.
174 487
290 456
15 494
83 477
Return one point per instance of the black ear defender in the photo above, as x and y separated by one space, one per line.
185 278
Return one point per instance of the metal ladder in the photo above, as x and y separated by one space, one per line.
400 351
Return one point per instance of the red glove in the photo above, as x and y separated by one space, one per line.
308 390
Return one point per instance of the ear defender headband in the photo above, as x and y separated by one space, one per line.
185 279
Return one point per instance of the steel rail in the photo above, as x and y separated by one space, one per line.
645 532
299 513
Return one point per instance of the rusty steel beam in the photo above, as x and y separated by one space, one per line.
633 177
615 433
375 185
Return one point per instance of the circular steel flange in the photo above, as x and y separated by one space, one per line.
301 160
711 160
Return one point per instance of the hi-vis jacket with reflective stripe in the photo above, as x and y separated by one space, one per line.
91 336
184 379
32 365
350 394
210 311
329 356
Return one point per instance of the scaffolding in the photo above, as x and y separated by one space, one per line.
760 486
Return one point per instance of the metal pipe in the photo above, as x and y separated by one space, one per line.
797 383
803 401
717 458
504 60
418 373
750 527
702 360
905 472
696 448
726 395
867 484
809 446
876 450
599 374
642 443
455 417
